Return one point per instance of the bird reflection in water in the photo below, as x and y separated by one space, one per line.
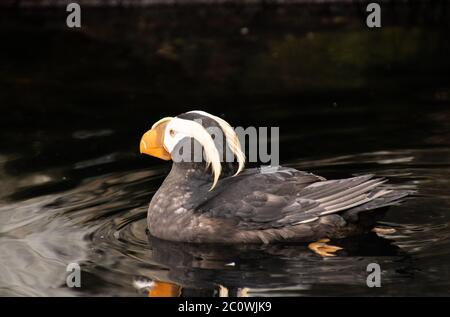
237 271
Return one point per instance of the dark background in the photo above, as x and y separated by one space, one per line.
348 99
303 67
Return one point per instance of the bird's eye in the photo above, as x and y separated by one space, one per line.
172 133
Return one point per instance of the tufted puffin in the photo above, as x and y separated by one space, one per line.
208 198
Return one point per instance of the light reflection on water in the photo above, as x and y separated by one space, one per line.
100 223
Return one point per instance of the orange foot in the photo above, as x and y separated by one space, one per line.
323 249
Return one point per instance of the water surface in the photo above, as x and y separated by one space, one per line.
75 189
100 223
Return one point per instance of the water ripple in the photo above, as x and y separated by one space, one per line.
101 224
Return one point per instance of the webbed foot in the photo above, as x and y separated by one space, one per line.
323 249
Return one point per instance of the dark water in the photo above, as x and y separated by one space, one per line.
74 188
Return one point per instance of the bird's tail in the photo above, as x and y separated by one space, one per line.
393 197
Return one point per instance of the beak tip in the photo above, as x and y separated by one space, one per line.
142 147
151 145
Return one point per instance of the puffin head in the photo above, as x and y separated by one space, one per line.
169 134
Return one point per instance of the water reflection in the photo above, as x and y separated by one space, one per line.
262 269
101 224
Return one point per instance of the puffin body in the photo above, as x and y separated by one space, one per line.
230 205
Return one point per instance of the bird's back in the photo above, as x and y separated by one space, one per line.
275 203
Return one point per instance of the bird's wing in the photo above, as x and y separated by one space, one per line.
287 197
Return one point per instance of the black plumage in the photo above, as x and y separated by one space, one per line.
262 205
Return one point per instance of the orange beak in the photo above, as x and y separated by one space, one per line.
152 142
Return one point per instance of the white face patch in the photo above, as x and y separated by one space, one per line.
178 129
173 135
